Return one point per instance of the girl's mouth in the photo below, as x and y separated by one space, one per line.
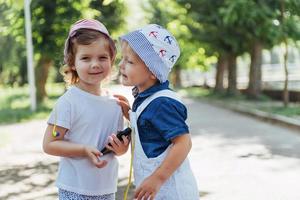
95 73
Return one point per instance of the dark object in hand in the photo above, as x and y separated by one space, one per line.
126 132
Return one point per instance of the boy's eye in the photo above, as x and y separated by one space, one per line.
129 61
103 57
84 58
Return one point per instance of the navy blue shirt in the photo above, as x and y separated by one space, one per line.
162 120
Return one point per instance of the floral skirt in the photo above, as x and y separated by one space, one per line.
67 195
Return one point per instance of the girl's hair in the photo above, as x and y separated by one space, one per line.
83 37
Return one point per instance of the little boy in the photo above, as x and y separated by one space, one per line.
162 139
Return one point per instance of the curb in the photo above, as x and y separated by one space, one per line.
268 117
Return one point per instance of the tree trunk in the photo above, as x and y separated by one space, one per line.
176 79
254 86
42 72
232 75
286 74
221 67
285 56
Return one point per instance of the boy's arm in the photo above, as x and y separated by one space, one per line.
178 152
125 105
57 146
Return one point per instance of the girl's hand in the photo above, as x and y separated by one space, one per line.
117 146
124 103
149 188
93 155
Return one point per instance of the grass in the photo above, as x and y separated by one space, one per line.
264 103
291 111
15 103
202 93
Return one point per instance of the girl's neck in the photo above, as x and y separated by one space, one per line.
93 89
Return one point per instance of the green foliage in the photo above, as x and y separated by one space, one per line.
214 30
232 26
12 61
291 111
290 21
209 94
51 20
254 19
264 104
174 17
15 105
199 59
111 12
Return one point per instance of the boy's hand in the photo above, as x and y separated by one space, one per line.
93 155
149 188
117 146
124 103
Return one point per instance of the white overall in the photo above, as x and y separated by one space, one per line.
182 184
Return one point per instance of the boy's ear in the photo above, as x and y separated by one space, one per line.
152 76
73 68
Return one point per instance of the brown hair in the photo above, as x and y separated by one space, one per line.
83 37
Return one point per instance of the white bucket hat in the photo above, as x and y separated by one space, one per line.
156 47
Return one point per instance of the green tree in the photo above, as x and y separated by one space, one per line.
221 37
255 20
174 17
234 27
12 60
51 21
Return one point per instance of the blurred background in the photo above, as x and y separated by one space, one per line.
248 48
240 53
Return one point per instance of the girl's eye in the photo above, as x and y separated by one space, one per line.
84 58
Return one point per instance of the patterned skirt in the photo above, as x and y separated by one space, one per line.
67 195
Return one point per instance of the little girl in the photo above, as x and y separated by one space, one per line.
84 117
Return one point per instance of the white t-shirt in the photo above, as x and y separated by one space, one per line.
90 119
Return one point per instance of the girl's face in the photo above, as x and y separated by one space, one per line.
92 63
133 70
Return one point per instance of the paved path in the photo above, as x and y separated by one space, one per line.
240 158
233 157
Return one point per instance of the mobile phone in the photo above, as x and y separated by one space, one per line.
126 132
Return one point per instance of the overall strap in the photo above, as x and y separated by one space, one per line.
162 93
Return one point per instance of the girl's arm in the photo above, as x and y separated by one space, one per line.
57 146
177 154
117 146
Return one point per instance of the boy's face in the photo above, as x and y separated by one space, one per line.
133 70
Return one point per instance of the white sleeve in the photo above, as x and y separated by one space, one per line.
61 114
121 122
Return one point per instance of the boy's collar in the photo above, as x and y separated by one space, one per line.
156 87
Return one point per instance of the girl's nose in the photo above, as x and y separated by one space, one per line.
96 64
